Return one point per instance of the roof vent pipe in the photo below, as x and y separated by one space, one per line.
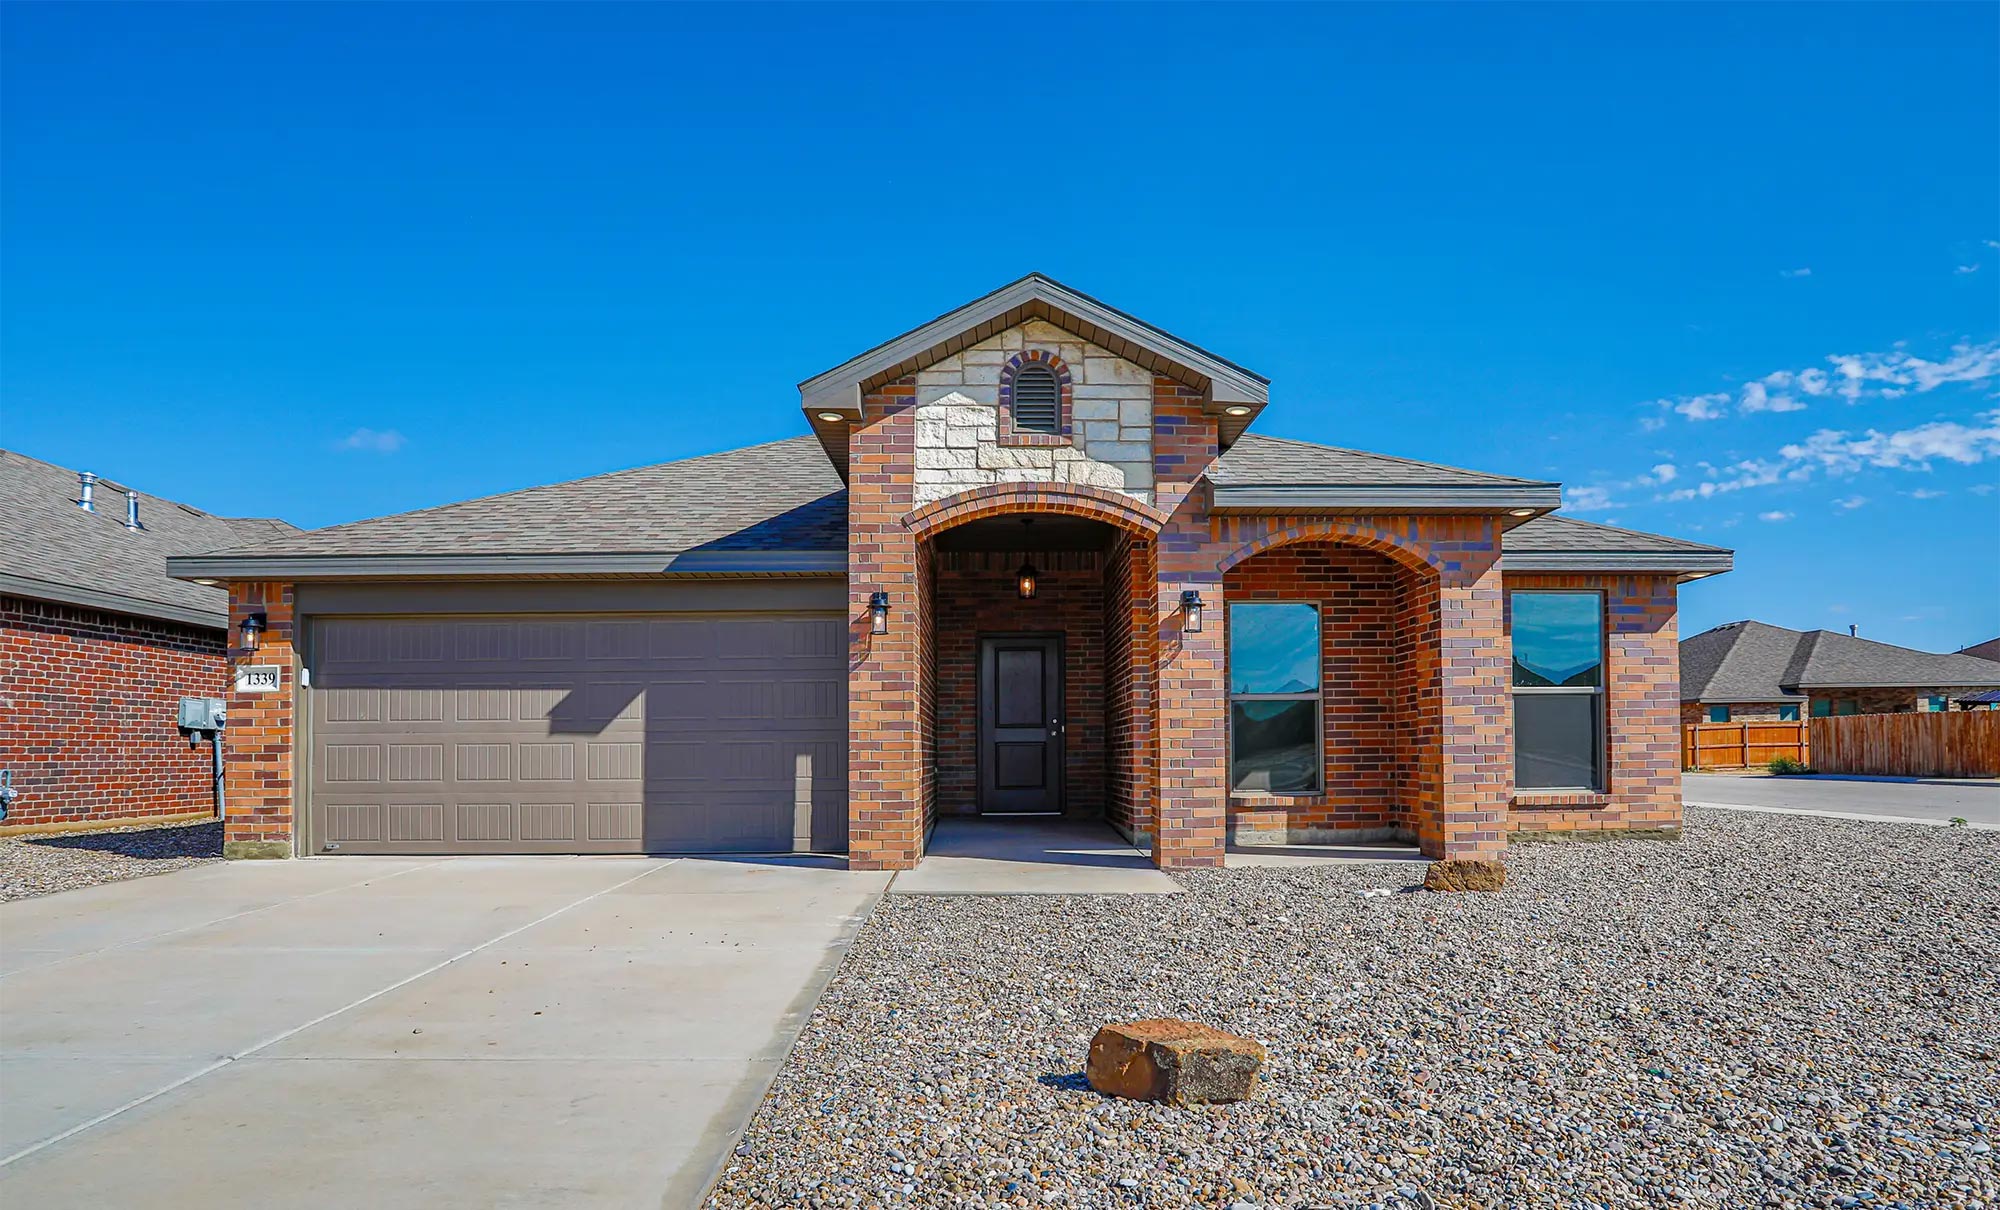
86 491
132 510
1853 630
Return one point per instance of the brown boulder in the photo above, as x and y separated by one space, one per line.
1178 1061
1461 874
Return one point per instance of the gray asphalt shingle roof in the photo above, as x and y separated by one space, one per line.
52 550
1271 461
1559 533
1757 662
779 496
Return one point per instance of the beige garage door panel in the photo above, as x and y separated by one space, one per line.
564 734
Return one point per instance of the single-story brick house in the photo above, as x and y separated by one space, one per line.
98 645
1755 672
1029 560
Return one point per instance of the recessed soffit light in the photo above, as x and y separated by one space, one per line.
832 417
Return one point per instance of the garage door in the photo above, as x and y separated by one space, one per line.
578 734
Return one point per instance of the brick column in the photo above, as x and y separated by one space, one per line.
887 727
1192 697
257 744
1476 741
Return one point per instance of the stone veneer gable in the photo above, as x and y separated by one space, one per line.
964 440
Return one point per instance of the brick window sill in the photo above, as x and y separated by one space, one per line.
1532 799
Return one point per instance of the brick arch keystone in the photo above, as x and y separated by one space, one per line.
1397 547
1063 499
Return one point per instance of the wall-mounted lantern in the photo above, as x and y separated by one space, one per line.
1191 608
878 613
1024 581
253 631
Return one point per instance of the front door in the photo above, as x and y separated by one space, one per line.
1021 724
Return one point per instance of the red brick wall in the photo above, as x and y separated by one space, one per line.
975 595
90 701
1642 788
1129 586
1367 700
891 751
259 760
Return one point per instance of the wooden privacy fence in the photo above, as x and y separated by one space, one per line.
1741 745
1965 744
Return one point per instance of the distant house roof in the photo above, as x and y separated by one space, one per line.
1757 662
52 550
771 508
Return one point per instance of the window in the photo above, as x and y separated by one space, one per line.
1037 400
1932 704
1847 706
1718 714
1559 690
1274 727
1788 713
1822 707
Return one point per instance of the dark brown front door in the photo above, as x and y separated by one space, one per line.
1021 724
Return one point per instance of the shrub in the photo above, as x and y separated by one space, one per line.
1783 765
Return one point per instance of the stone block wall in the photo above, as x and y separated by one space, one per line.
89 701
963 440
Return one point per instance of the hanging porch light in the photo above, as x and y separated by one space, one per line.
252 628
1191 609
878 613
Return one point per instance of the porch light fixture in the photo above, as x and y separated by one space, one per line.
1237 409
1024 581
1191 608
832 417
878 613
252 627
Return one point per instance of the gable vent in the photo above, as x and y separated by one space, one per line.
1037 400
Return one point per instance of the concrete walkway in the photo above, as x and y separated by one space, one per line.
1880 799
1031 855
406 1032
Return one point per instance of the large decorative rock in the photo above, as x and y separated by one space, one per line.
1183 1062
1461 874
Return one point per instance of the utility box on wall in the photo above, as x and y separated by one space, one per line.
202 713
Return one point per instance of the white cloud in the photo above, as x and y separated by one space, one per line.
1991 243
1843 453
1757 397
1701 407
387 441
1964 269
1851 502
1897 368
1665 472
1802 271
1774 516
1983 489
1926 493
1652 424
1591 499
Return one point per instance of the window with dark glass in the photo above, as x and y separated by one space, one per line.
1822 707
1788 713
1274 683
1558 640
1037 400
1718 714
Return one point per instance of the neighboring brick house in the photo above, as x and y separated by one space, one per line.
1755 672
98 645
1029 561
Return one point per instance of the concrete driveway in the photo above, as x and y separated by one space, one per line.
1876 798
404 1031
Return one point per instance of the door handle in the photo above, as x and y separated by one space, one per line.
1055 726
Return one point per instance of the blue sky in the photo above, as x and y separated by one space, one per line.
327 262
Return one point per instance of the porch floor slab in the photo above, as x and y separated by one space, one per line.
1025 855
1246 857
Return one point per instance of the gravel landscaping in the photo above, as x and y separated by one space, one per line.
43 865
1775 1011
